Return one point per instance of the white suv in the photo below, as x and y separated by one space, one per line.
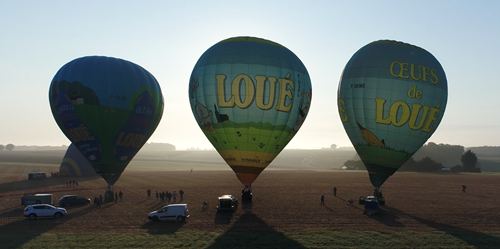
43 210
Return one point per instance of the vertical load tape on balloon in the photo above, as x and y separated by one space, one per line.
391 99
108 108
249 96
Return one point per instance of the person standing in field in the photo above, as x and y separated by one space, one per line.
181 194
463 188
322 199
120 195
335 191
149 193
175 196
116 197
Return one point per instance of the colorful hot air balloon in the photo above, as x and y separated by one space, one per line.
391 98
249 96
75 164
108 108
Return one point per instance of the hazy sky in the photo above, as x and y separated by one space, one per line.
168 37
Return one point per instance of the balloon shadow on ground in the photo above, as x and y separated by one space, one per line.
223 217
249 231
19 232
42 183
473 238
388 217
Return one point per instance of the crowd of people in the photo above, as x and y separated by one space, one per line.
165 196
109 196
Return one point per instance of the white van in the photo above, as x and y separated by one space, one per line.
177 212
31 199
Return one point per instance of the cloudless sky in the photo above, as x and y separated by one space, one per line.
167 38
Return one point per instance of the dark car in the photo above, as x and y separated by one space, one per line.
69 200
227 202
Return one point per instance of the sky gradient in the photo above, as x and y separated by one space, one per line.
168 37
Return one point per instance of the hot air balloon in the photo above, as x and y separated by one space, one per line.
75 164
249 96
108 108
391 99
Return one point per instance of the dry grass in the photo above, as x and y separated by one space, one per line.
284 201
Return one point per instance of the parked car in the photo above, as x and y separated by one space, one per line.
44 210
227 202
69 200
177 212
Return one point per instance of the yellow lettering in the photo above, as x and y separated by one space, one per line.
87 133
393 112
249 90
424 69
434 76
414 93
221 78
127 138
414 115
261 85
412 72
432 118
343 115
283 93
119 141
380 112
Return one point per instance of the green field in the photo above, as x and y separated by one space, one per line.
309 239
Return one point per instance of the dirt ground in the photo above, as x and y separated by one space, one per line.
284 200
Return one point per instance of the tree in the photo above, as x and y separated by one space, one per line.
469 161
428 165
2 147
9 147
333 146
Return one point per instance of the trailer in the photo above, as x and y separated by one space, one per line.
37 175
372 205
31 199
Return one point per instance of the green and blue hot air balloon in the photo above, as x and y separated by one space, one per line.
249 96
108 108
391 99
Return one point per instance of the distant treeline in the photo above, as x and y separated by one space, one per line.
486 151
433 157
146 147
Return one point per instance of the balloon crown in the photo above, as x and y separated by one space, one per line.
252 39
397 43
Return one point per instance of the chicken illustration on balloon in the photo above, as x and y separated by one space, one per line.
260 92
391 99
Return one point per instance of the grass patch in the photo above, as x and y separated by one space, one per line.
309 239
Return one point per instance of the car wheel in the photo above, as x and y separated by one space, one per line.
155 218
32 216
58 215
180 218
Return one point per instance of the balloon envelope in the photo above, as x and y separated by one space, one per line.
391 98
75 164
108 108
249 96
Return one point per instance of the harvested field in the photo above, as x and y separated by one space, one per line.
284 201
